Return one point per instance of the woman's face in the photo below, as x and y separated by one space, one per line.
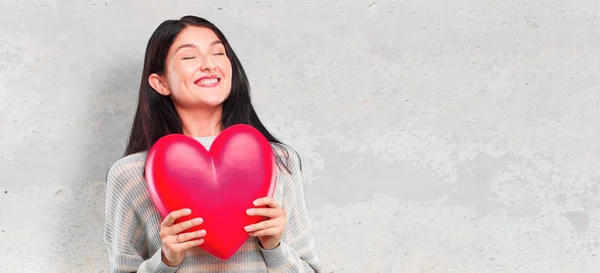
197 70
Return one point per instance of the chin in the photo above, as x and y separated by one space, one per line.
215 101
212 102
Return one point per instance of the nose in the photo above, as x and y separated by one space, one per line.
208 64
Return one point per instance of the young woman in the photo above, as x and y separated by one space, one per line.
193 84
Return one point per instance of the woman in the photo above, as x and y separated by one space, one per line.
193 83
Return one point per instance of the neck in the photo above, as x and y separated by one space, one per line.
201 122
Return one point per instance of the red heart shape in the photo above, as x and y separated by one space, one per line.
218 184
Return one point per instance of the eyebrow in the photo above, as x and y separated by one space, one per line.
215 42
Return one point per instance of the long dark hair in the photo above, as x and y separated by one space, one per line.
156 117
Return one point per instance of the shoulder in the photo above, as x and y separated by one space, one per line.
289 156
126 197
125 169
290 176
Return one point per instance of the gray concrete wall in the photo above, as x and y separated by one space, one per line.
437 136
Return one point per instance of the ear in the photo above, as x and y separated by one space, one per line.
158 84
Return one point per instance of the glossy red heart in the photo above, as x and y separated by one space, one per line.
218 184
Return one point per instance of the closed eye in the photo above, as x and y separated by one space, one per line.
188 58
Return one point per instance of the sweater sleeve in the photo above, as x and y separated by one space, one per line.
123 230
297 251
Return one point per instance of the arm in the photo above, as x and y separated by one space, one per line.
297 251
124 232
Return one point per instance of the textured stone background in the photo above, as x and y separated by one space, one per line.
437 136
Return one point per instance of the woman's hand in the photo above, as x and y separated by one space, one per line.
174 244
269 231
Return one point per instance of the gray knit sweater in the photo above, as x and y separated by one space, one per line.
132 226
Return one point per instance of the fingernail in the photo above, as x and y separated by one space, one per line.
202 232
198 221
256 202
247 228
249 211
187 211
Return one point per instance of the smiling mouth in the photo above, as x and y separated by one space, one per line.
210 81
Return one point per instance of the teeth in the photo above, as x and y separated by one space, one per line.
208 81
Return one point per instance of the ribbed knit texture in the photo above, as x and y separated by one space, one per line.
132 226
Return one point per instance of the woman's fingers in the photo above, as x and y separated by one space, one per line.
168 229
186 245
266 201
190 244
262 225
175 242
266 212
273 231
178 228
184 237
171 217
